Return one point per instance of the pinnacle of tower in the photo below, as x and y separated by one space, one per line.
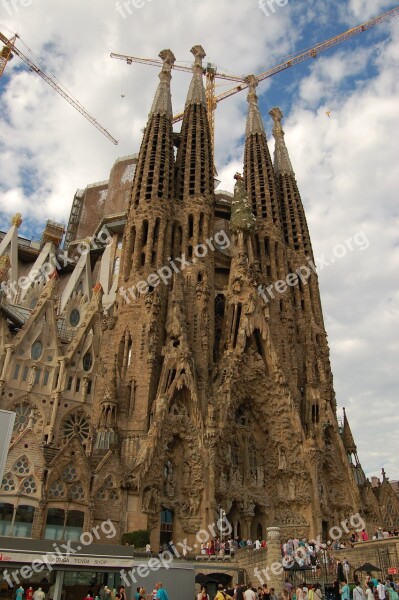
254 119
347 437
282 163
242 218
162 104
196 91
194 159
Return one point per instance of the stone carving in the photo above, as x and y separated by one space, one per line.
17 220
282 459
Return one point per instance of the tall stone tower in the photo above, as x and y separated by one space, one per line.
227 391
183 369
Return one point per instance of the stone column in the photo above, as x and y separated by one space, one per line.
274 560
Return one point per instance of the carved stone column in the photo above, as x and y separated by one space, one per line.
274 560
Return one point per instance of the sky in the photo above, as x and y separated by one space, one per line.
342 131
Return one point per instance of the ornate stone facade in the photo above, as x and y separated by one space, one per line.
161 368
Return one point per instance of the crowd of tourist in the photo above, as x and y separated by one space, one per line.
368 589
314 559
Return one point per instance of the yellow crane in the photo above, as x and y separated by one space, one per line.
211 73
6 54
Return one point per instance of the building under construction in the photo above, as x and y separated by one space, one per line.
155 381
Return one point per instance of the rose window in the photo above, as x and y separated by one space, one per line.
76 424
21 466
101 494
29 486
56 490
113 495
70 473
23 412
76 492
108 483
8 483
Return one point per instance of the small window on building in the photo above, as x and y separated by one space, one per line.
45 377
25 374
69 386
37 375
36 350
77 387
16 371
74 317
87 361
89 387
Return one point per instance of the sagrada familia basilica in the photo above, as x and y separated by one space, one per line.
154 381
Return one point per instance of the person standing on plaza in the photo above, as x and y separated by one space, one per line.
221 594
249 594
19 593
299 592
345 592
162 594
203 594
368 592
358 592
346 569
39 594
381 590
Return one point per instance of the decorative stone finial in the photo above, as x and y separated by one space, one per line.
277 116
199 54
17 220
168 58
282 163
196 91
162 104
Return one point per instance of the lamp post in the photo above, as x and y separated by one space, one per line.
222 515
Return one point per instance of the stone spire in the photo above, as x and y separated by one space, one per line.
258 169
154 173
295 228
162 104
347 437
194 161
282 163
196 91
254 119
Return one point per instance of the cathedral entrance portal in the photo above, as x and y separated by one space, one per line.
166 530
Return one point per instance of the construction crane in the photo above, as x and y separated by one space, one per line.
6 54
211 73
